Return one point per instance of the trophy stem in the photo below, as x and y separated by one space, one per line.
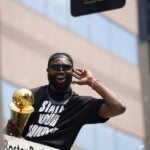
20 116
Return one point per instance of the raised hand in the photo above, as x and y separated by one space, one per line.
82 76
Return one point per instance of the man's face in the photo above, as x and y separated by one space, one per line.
60 74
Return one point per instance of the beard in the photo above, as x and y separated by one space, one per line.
60 86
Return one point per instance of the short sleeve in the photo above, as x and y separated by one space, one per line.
92 111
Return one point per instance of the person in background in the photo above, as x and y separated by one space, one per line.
59 112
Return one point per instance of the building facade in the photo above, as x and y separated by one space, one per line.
106 43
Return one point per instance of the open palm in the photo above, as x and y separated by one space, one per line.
83 76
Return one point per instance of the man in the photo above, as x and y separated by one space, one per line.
60 112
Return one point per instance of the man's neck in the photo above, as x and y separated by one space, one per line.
59 91
59 95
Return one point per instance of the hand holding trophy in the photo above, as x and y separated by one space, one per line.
21 108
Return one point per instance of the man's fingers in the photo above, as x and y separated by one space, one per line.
76 75
77 72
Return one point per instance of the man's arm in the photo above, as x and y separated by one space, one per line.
112 106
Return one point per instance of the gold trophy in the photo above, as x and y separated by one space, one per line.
21 108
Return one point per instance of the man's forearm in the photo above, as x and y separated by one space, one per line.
110 98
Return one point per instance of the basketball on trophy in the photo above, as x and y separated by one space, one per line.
23 98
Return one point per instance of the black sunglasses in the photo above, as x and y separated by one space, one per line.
59 67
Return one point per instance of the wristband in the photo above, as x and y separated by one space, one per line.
93 83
